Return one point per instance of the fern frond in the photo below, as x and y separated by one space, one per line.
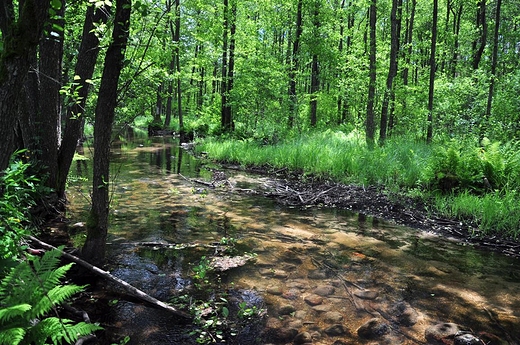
54 297
74 332
12 336
9 313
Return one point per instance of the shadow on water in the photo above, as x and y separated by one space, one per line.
321 274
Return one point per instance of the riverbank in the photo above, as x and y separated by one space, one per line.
323 167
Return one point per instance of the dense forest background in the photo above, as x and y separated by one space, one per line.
440 71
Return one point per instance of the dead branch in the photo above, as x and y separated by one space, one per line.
124 285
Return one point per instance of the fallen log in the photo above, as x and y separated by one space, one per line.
124 285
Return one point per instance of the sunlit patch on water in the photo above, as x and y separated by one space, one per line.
321 273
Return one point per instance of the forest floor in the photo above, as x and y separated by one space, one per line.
297 190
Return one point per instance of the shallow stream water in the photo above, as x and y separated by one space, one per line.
320 273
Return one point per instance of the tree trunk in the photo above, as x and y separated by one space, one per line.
494 60
51 56
429 133
21 34
395 22
229 63
315 81
293 99
85 64
408 44
97 225
480 42
370 122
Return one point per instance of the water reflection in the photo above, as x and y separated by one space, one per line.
371 267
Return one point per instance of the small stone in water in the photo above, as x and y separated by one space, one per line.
324 290
335 330
303 338
313 299
366 294
332 317
437 333
373 329
286 310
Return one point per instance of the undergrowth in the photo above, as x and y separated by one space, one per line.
468 179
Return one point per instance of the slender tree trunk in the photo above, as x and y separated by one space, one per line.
85 64
408 43
21 34
494 60
229 63
293 98
480 43
177 39
429 133
315 81
370 122
97 225
395 22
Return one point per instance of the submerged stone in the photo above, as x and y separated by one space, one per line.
373 329
436 334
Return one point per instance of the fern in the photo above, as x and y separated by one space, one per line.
31 291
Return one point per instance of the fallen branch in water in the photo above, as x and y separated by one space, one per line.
124 285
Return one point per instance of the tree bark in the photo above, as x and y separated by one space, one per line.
228 70
20 35
494 60
85 64
50 68
315 81
97 225
429 132
395 22
370 122
293 99
480 42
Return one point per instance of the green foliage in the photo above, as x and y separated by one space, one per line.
457 170
28 293
18 190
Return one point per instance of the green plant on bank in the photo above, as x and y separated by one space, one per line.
31 292
455 174
18 192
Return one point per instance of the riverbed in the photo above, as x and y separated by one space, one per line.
320 275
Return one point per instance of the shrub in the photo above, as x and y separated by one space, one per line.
18 191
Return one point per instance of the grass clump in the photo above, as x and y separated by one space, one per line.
466 179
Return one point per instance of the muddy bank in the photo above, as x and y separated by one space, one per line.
297 190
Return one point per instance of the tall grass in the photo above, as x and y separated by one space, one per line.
469 180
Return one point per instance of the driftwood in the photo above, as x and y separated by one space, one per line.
124 285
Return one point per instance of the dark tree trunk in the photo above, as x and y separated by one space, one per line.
408 40
480 43
20 35
229 64
370 122
494 60
97 225
315 81
429 132
395 22
85 64
293 99
51 56
177 39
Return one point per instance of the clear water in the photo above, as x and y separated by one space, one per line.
156 200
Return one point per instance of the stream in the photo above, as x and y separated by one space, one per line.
315 276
